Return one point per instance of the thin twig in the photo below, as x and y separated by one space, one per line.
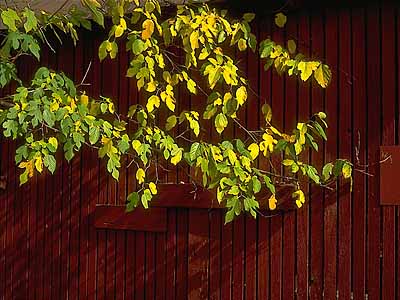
86 73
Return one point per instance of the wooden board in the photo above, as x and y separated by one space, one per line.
115 217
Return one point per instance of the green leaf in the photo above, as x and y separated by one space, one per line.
269 184
248 17
323 75
9 17
267 112
146 197
94 134
327 171
220 122
103 50
194 151
50 163
256 184
31 21
280 20
291 46
171 122
133 201
138 46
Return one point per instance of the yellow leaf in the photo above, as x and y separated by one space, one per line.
111 107
28 165
53 106
84 100
153 188
151 86
280 20
241 95
272 202
346 170
242 45
177 157
306 68
136 145
140 174
291 46
39 164
194 40
323 75
148 29
170 103
267 144
254 150
300 198
119 31
53 141
153 101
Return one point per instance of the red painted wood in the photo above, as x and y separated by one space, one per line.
317 159
345 150
150 265
330 205
374 110
170 278
263 256
50 248
289 229
303 242
388 94
359 137
252 122
114 217
198 255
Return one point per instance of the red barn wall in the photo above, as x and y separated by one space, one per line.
342 244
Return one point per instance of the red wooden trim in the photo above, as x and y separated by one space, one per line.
115 217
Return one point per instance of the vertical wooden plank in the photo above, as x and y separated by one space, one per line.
345 150
101 242
303 242
182 253
110 89
8 249
94 77
289 218
198 240
121 195
330 201
263 249
75 182
317 158
373 209
150 265
66 63
277 105
131 236
252 123
3 211
140 256
388 96
215 251
198 255
170 278
359 138
239 232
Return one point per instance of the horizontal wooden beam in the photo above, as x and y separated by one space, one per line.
115 217
188 195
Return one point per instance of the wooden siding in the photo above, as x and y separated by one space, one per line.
340 245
